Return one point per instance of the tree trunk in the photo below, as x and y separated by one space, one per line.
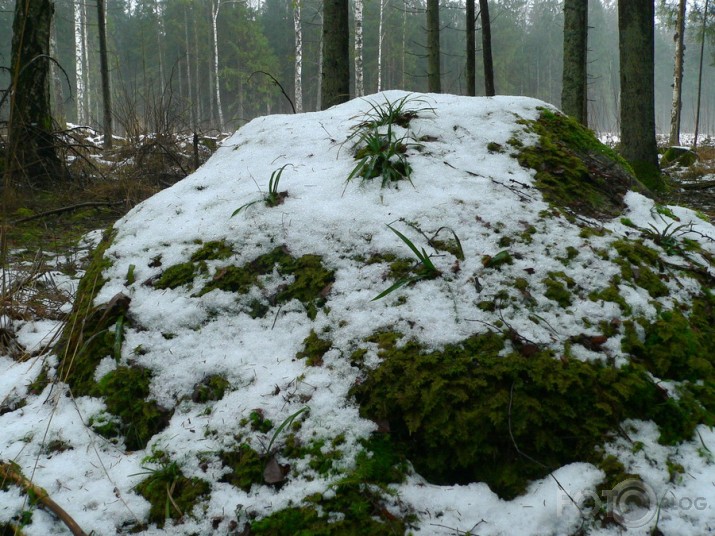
192 103
85 61
574 97
470 71
81 117
674 138
215 7
298 75
700 74
359 79
104 67
637 51
380 45
487 49
56 81
336 53
434 79
31 150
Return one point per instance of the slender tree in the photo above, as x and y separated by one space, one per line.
359 78
700 73
471 73
636 39
79 64
336 53
574 96
32 155
434 79
380 48
489 89
215 7
104 67
679 38
298 74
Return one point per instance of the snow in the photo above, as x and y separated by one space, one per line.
457 184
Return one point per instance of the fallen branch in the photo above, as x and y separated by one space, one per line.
69 209
702 185
11 472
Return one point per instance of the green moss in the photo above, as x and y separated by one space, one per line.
634 260
170 493
86 338
177 276
588 232
246 467
314 348
556 290
649 174
494 147
498 260
461 413
574 170
355 505
311 280
258 422
611 294
125 390
214 250
321 456
212 387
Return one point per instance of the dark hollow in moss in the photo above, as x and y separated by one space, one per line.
125 390
576 171
466 414
212 387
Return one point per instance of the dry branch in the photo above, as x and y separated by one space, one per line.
9 471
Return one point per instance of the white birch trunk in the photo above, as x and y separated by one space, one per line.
79 64
192 104
359 78
85 59
159 39
215 7
404 45
298 57
379 46
674 138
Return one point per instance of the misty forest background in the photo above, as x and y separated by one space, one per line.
162 53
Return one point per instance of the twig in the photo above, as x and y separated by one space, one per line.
68 209
276 82
9 472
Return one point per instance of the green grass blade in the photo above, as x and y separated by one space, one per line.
283 425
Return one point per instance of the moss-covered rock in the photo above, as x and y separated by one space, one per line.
678 156
574 170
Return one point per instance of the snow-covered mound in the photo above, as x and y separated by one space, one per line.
422 313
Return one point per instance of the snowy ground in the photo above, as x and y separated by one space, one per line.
456 183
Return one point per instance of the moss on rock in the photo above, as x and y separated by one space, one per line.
465 413
574 170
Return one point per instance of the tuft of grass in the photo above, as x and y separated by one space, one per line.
273 197
426 268
381 155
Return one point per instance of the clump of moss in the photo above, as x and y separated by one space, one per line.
314 348
556 290
635 260
311 280
86 338
125 390
171 494
246 467
177 276
466 413
611 294
214 250
355 507
212 387
574 170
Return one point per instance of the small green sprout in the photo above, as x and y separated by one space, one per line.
426 269
273 198
382 155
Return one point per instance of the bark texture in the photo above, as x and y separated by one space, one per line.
104 67
637 52
674 138
32 155
336 54
489 89
434 79
574 99
471 50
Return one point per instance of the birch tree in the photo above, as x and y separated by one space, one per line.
700 73
215 7
298 81
359 79
79 63
380 35
674 138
